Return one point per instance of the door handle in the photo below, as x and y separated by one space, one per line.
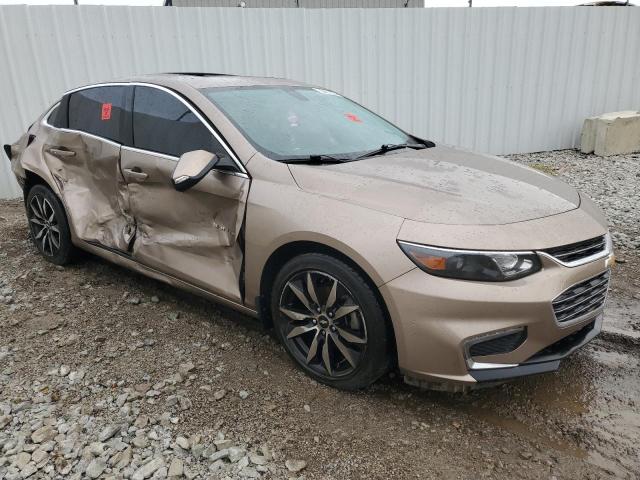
135 174
59 152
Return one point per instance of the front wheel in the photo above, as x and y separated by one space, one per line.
48 225
330 321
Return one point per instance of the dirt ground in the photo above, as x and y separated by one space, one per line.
125 331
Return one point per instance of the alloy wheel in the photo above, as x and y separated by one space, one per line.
324 325
44 225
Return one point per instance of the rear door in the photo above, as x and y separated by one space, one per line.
82 152
192 235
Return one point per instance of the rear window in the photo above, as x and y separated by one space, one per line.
102 111
163 124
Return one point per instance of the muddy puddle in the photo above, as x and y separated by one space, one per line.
588 410
592 406
614 416
623 315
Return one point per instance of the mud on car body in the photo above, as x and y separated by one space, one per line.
365 247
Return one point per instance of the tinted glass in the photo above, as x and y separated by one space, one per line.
102 111
294 122
53 116
163 124
59 117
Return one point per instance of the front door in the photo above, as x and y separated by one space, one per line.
84 161
192 235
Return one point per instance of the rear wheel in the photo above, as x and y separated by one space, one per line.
330 322
48 225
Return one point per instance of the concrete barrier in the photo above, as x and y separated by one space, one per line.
614 133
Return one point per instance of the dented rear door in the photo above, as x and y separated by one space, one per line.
83 159
192 235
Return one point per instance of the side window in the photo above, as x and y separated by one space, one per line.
59 117
102 111
163 124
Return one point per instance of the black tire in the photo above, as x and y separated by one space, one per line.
366 322
55 246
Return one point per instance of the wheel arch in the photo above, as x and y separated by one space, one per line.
32 179
286 252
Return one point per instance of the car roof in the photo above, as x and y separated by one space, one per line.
200 80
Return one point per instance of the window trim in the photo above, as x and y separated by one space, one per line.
242 171
150 152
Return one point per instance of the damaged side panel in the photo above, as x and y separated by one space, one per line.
123 199
192 234
86 172
15 152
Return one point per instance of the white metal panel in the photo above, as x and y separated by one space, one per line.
302 3
500 80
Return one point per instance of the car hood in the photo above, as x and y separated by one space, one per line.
441 185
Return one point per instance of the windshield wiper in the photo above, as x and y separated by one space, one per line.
316 160
389 147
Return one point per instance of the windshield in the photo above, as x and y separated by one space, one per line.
285 122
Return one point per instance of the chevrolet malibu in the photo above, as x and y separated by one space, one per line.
364 247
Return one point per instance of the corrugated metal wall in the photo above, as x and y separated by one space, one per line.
302 3
497 80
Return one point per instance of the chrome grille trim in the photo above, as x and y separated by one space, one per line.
581 299
579 253
596 246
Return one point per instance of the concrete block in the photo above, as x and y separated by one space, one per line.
615 133
588 137
618 136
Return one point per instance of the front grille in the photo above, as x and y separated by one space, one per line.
496 345
581 299
578 251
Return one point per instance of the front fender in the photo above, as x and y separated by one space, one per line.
281 214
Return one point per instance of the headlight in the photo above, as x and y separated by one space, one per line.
472 265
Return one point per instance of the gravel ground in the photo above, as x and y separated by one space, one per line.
107 374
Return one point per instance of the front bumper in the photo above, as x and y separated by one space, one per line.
548 360
435 319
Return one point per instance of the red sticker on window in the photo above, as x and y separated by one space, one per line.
106 111
352 117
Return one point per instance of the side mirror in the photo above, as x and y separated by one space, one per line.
191 168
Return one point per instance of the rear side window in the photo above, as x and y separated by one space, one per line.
163 124
102 111
59 117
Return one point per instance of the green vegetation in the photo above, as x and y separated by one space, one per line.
544 168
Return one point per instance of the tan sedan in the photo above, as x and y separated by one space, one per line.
366 248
